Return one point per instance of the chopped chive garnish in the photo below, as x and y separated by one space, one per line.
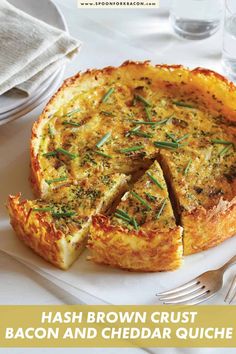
228 146
142 134
143 122
103 154
50 131
223 142
133 148
121 212
177 140
69 114
148 113
182 138
143 100
161 209
67 153
60 150
117 215
166 144
186 170
182 104
135 224
103 140
66 122
164 121
172 137
63 214
160 122
42 209
133 130
165 147
108 94
50 153
55 214
107 113
50 181
225 150
151 197
141 200
154 180
124 216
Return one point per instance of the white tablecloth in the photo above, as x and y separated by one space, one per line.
110 37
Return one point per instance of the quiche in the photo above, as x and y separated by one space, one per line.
138 162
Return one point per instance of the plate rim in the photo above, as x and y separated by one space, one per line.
44 96
38 93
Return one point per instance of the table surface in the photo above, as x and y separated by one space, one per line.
110 37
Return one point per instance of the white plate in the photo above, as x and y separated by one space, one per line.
46 11
32 98
38 99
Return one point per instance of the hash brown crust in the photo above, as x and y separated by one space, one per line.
146 251
45 242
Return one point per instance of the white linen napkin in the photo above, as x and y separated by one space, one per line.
31 50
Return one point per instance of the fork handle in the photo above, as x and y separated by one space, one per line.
228 264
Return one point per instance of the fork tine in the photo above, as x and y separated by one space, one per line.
202 298
233 298
231 294
186 291
181 287
186 298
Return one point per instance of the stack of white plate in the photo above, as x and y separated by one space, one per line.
14 104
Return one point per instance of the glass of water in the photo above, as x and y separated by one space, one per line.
229 40
196 19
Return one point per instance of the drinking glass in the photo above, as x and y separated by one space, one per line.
229 40
196 19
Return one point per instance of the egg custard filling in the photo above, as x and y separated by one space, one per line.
139 160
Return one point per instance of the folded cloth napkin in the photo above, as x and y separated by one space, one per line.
31 50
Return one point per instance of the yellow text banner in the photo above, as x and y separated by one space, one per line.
117 326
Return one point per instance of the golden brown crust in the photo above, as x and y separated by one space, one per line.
204 229
45 239
146 251
41 234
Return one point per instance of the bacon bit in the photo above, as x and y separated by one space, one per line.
54 230
35 163
28 215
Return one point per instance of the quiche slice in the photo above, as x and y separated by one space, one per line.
204 187
57 228
141 234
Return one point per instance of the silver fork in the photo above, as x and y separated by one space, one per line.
200 289
231 294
